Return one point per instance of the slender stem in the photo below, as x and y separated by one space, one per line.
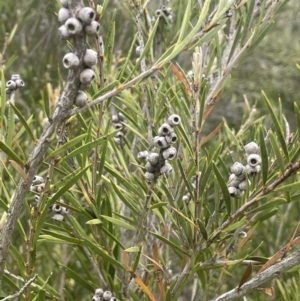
19 293
293 169
136 238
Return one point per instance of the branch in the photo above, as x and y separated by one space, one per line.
17 294
294 168
60 114
261 278
116 91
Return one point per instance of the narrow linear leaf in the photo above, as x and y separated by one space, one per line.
110 41
86 147
103 253
278 129
76 276
94 222
133 250
168 242
10 153
23 121
223 187
119 223
66 146
277 152
140 282
68 185
246 275
264 156
19 170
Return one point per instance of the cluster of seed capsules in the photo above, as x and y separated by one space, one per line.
103 295
82 21
58 211
14 83
157 163
238 182
118 121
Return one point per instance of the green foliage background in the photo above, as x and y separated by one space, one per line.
59 257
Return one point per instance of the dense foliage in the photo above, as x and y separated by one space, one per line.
94 211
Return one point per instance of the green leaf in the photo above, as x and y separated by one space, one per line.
104 254
266 215
168 242
66 238
9 152
289 187
68 184
202 229
110 41
271 204
158 205
66 146
86 147
264 156
95 221
133 250
24 122
278 129
119 223
236 225
185 21
223 187
78 279
277 152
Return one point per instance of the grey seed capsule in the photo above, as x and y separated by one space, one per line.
92 29
80 99
107 295
63 15
99 292
149 167
96 298
166 169
251 148
172 138
237 168
174 120
253 160
15 77
58 217
153 158
37 180
169 153
74 26
11 85
70 61
20 83
149 176
87 76
142 155
90 58
56 208
86 15
63 31
160 142
64 3
165 129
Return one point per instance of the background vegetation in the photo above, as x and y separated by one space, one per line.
184 251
